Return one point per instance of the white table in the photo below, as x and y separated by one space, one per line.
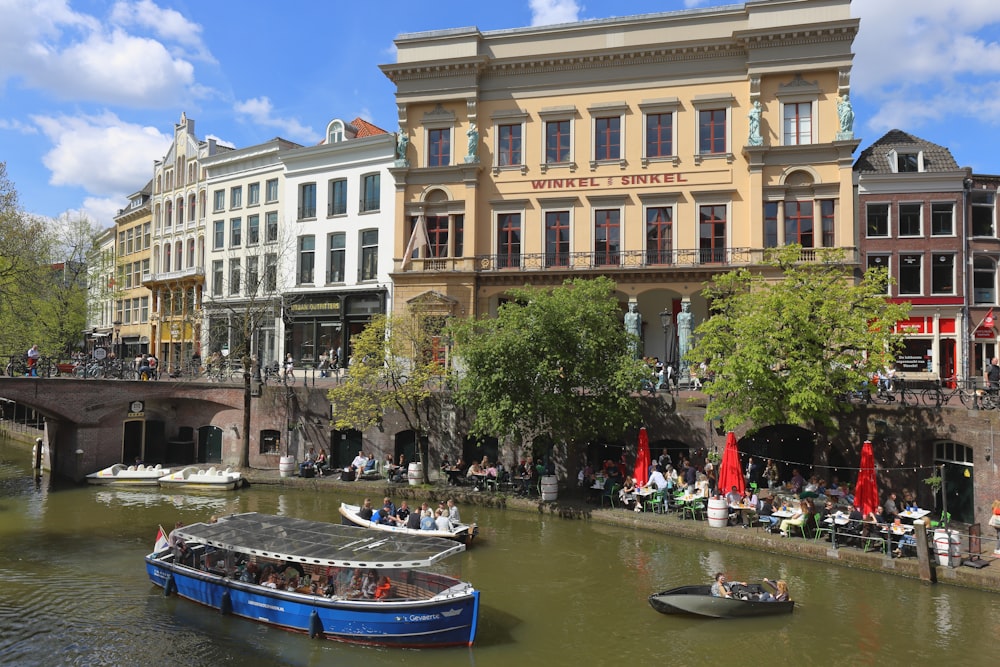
784 514
839 518
913 515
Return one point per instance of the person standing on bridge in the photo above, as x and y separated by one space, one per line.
33 356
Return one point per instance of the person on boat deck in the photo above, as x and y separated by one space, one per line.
427 519
177 543
780 591
441 520
385 516
370 585
387 501
413 520
403 512
272 581
357 586
366 510
453 515
383 588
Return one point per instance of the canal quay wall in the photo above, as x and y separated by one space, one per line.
574 508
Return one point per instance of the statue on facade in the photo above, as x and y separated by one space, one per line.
846 115
684 326
473 149
633 326
754 138
402 141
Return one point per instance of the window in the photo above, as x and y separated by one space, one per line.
984 280
236 197
307 259
337 259
557 141
253 194
219 240
556 238
219 200
180 212
253 275
192 208
509 145
145 269
799 223
369 254
439 147
370 195
234 276
508 240
910 274
168 218
458 226
190 252
235 233
147 236
712 131
270 272
608 138
771 224
797 123
437 236
942 219
144 309
217 277
659 135
712 233
253 229
907 162
271 190
129 242
202 199
659 235
271 227
909 219
828 216
982 213
942 274
607 237
337 199
877 220
307 201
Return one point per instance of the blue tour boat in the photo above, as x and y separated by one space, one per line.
317 567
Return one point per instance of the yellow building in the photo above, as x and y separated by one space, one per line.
133 231
658 150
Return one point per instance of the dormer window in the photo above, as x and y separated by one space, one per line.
335 133
903 163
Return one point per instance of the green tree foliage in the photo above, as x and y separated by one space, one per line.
395 365
553 362
784 345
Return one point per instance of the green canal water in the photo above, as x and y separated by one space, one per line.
73 591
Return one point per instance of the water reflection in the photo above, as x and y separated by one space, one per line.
554 592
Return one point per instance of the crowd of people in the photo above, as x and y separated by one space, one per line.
445 517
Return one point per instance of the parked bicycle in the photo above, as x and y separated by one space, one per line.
941 394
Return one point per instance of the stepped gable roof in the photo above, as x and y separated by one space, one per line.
874 159
366 129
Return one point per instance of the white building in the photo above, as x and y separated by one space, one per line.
339 207
249 248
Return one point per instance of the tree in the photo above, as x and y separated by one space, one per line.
784 347
395 365
554 362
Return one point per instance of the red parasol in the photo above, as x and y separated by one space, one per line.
642 458
730 472
866 490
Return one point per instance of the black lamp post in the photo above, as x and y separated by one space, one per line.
118 338
667 322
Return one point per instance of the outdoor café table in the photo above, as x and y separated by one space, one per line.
454 476
894 529
834 520
913 515
783 513
743 509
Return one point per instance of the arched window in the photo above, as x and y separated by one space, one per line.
166 258
984 280
190 257
178 255
169 214
192 213
180 211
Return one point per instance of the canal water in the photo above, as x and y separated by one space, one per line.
73 591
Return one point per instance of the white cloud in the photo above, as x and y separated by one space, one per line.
924 61
17 126
104 155
75 56
691 4
168 24
260 111
548 12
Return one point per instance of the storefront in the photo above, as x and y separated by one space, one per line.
324 323
930 347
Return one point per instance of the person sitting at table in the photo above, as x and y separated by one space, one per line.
627 493
909 498
765 514
445 463
671 475
321 464
702 487
780 591
476 474
798 518
749 500
889 510
656 479
908 540
733 497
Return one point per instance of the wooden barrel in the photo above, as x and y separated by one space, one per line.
415 473
718 512
286 466
947 547
550 488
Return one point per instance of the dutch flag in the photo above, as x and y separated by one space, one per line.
161 541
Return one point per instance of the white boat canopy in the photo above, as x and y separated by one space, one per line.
318 543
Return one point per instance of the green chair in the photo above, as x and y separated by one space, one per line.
611 495
654 503
943 523
696 507
820 527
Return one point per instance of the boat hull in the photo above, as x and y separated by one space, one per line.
119 475
416 624
464 533
210 480
698 600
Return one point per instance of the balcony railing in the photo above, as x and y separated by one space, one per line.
190 272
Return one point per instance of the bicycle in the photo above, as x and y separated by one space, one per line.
937 396
907 396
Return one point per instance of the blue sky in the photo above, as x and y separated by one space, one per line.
90 89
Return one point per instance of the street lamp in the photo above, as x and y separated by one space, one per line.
118 338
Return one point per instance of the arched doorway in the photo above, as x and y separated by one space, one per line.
957 494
